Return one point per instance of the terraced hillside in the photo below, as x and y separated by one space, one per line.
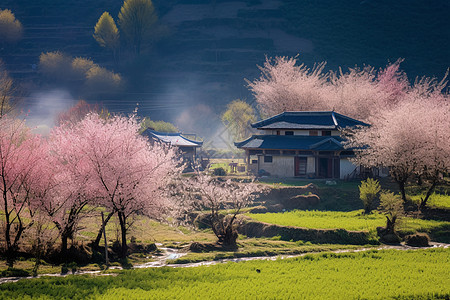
213 45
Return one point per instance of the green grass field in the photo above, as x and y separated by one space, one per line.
419 274
353 220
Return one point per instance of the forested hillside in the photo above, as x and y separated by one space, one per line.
209 47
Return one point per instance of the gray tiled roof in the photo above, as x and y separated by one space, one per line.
174 139
313 120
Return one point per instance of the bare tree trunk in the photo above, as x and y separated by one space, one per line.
64 239
401 185
123 228
100 232
12 247
225 232
423 201
37 256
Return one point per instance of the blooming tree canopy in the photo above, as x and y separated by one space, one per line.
359 93
411 139
20 156
119 168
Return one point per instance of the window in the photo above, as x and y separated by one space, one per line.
288 133
267 159
313 133
326 133
254 161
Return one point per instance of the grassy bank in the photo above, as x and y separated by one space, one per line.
420 274
353 220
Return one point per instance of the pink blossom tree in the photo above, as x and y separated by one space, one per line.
61 193
79 111
224 200
284 86
123 171
20 154
358 93
411 140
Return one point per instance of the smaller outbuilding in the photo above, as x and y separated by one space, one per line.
187 147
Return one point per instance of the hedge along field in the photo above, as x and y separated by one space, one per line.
416 274
353 220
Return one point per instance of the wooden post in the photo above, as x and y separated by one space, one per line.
106 243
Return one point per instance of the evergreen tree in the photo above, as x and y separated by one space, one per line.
106 32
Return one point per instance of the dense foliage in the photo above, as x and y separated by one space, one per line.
420 274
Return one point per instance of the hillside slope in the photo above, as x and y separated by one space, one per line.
213 45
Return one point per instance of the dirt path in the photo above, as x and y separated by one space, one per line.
171 254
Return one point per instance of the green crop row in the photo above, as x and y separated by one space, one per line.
419 274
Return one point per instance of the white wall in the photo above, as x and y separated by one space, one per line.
281 166
301 132
310 165
346 167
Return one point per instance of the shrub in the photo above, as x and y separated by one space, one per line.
392 207
81 66
418 240
219 172
101 80
368 191
64 269
56 65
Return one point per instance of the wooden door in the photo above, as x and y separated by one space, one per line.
300 166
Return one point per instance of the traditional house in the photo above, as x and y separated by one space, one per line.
187 147
301 144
